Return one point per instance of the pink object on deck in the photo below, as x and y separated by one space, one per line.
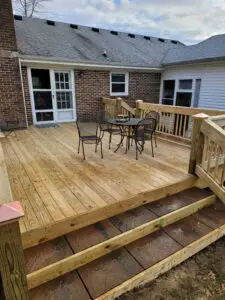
10 211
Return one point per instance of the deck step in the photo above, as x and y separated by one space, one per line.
127 250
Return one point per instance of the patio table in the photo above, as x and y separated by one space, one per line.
129 124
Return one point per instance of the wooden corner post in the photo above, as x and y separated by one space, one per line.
197 142
12 271
138 109
118 106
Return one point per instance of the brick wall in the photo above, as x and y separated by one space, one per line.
91 85
11 96
7 32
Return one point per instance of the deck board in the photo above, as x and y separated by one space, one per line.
53 182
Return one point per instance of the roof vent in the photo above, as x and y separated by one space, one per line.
104 53
174 42
51 23
74 26
147 38
131 35
161 40
19 18
95 29
114 32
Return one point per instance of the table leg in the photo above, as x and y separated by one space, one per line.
121 140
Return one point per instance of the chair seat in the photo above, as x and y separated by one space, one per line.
114 130
90 139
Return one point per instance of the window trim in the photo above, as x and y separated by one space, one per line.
126 84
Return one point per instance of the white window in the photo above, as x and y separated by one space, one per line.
119 84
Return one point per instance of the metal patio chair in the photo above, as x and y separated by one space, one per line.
89 136
144 131
155 115
104 126
8 127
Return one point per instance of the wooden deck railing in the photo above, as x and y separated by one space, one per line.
208 152
114 107
175 121
12 272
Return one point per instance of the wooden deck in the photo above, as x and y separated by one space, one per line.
60 192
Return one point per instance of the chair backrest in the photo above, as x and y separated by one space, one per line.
146 128
153 114
102 119
86 129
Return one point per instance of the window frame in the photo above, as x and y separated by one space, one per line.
126 82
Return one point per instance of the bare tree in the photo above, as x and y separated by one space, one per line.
28 7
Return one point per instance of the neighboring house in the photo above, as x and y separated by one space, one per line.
195 75
55 72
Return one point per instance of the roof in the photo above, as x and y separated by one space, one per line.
37 38
208 50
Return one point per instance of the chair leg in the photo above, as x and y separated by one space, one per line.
96 146
127 147
83 150
78 147
155 139
136 150
101 150
143 146
110 139
152 148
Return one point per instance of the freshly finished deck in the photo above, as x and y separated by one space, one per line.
60 192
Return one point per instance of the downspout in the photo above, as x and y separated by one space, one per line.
24 102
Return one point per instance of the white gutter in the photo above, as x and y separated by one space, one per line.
30 61
24 102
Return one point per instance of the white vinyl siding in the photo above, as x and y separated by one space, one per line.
212 75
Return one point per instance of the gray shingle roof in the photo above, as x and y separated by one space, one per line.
36 38
211 49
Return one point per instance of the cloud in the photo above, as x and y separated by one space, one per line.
189 21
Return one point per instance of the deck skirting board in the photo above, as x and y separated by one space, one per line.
165 265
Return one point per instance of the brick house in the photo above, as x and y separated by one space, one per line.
55 72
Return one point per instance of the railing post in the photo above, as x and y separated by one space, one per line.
138 110
197 142
12 271
118 106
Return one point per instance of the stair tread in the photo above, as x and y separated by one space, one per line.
214 215
177 201
69 286
187 230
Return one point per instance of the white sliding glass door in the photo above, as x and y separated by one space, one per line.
52 94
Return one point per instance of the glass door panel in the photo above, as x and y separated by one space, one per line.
64 96
43 100
168 92
44 116
42 95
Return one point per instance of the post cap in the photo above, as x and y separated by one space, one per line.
139 101
200 116
10 211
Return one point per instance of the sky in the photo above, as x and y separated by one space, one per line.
189 21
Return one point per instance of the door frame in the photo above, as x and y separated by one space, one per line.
53 92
